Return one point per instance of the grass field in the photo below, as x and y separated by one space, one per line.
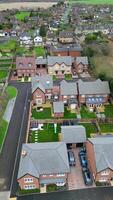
46 135
86 114
21 15
90 128
106 128
3 74
10 93
39 51
8 46
92 1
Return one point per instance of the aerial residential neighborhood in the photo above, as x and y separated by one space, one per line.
56 100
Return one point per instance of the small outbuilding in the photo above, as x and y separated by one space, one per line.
58 109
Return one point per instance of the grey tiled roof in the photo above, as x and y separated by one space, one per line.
41 61
103 149
51 60
43 82
44 158
58 107
73 134
93 87
66 34
68 88
82 59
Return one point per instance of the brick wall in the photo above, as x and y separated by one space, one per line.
22 182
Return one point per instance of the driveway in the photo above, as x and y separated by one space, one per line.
9 158
75 178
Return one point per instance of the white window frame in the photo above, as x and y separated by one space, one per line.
28 180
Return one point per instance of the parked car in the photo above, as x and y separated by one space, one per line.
87 176
83 160
82 151
71 158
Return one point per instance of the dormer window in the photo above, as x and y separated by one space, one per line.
20 64
29 64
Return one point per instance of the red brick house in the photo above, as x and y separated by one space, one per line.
100 158
43 164
73 51
81 64
68 94
94 94
41 89
25 66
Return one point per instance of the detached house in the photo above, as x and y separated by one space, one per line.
41 89
25 39
66 37
38 41
25 66
68 94
43 164
59 65
93 93
100 157
81 64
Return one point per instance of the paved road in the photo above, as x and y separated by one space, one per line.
100 193
14 139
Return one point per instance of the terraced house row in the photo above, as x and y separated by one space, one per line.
94 94
57 66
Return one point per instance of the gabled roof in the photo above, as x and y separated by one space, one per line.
103 150
93 87
25 63
73 134
58 107
43 158
68 88
42 82
51 60
82 59
66 34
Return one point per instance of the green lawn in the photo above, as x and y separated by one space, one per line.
8 46
39 51
46 135
9 94
92 1
20 51
90 128
69 115
106 128
3 128
45 114
11 91
68 77
3 74
109 111
21 15
86 114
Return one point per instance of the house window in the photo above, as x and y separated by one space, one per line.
20 64
63 71
51 175
56 72
44 175
60 175
29 64
103 179
105 173
28 180
65 96
29 187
